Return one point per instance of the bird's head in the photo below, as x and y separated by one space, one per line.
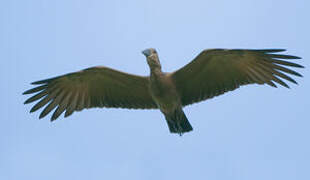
152 58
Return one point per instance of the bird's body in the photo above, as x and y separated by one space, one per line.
164 92
212 73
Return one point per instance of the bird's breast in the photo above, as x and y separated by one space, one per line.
164 92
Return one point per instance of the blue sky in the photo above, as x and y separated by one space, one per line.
255 132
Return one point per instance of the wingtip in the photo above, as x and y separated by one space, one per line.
41 116
292 57
37 82
297 57
269 50
27 101
44 81
33 109
277 50
54 117
27 92
299 66
273 85
287 86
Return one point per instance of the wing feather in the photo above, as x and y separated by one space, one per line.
216 71
276 61
36 97
92 87
52 104
36 89
281 68
61 107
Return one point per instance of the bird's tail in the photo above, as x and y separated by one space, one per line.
178 122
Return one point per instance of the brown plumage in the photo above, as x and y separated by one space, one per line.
212 73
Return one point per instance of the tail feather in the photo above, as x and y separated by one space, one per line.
178 122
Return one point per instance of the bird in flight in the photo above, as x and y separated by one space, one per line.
212 73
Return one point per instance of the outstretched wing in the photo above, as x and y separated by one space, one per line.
216 71
92 87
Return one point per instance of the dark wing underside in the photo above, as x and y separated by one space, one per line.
92 87
216 71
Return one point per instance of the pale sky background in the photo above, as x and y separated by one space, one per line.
253 133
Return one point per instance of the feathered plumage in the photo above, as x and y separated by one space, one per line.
212 73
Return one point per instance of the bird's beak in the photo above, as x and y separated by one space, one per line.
146 52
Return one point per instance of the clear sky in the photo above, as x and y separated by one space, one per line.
255 132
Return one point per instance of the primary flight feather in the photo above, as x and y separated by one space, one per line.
212 73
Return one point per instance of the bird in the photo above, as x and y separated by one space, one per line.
211 73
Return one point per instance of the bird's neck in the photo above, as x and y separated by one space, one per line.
156 73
